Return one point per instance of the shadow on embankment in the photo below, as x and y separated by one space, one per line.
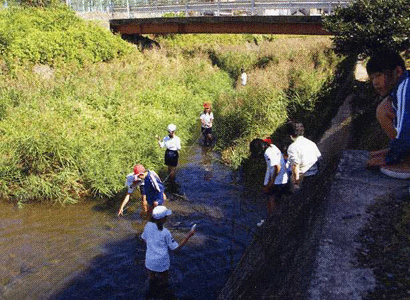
279 261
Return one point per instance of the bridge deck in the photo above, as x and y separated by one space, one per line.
303 25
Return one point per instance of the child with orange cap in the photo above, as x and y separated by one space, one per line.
207 118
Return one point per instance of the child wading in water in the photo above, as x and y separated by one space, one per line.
132 182
173 145
207 118
157 261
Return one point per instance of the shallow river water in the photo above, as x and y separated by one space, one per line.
85 251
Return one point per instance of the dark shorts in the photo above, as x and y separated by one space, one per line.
171 158
278 190
399 149
206 131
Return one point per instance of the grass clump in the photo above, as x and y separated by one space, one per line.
52 36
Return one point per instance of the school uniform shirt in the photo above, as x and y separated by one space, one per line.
132 181
401 105
304 153
244 78
207 118
153 188
274 157
171 143
158 243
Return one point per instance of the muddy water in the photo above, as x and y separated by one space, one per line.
85 251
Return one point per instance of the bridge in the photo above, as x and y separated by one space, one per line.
213 16
301 25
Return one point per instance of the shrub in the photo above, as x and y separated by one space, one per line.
365 26
54 35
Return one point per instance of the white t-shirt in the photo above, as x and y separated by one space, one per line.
207 119
304 153
244 78
274 157
171 143
158 242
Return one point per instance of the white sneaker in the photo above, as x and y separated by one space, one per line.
260 223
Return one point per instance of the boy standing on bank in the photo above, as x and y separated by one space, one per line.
303 155
391 80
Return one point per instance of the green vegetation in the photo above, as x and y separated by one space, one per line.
288 78
54 36
368 25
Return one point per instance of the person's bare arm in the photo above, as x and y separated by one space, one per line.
190 234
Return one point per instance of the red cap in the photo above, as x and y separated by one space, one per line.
268 140
207 105
139 169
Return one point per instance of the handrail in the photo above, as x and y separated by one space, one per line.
189 7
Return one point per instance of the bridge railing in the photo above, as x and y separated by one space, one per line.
141 8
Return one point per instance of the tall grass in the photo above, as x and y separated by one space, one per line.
285 77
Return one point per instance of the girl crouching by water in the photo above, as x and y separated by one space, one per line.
157 261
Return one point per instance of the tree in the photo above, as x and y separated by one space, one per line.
367 25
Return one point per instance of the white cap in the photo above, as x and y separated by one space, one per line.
160 212
171 127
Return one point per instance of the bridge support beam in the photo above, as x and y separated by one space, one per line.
299 25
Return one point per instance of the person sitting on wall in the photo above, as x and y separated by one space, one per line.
388 75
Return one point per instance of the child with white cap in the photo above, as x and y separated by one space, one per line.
157 261
173 144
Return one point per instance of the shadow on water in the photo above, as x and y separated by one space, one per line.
100 256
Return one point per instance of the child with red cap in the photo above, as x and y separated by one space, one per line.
132 182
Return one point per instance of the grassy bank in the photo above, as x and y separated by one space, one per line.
73 120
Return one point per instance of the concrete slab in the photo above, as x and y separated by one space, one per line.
353 190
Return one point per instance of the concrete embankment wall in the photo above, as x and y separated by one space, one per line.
278 263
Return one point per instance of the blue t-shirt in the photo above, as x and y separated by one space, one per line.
401 105
153 188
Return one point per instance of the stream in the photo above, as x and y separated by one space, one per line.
85 251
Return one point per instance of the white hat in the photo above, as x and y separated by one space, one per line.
171 127
160 212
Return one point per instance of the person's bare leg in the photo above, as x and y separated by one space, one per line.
385 115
